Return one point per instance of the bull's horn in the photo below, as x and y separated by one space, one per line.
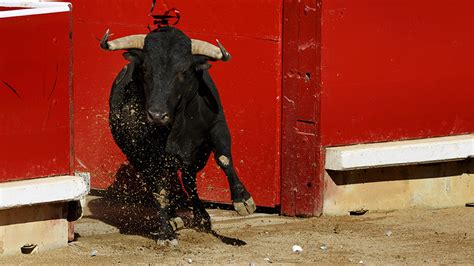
210 50
127 42
137 42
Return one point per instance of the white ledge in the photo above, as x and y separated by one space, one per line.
42 190
33 8
420 151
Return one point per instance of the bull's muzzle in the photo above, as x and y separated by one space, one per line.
160 118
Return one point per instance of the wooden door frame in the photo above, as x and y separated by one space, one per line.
302 183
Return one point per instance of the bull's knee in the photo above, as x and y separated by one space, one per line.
223 161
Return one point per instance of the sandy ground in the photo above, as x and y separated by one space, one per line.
117 233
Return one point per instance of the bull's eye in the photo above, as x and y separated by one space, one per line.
146 72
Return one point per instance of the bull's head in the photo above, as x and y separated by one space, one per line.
168 62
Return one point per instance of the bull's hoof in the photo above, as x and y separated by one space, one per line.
245 207
167 242
203 225
177 223
165 239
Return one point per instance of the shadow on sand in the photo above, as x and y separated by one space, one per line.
127 205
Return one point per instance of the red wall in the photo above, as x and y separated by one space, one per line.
249 85
34 96
383 71
396 69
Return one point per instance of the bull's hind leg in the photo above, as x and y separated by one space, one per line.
202 220
242 201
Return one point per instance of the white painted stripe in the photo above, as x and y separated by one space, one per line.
33 8
42 190
430 150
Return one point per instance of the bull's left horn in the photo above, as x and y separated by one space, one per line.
210 50
127 42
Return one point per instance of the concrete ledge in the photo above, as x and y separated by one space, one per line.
42 190
43 225
432 186
397 153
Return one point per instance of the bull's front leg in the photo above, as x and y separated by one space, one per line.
165 230
161 195
241 199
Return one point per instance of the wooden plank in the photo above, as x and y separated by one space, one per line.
302 184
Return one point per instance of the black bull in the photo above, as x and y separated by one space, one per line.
166 116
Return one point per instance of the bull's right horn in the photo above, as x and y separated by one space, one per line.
210 50
127 42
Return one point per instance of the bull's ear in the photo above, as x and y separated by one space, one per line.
201 63
134 56
202 67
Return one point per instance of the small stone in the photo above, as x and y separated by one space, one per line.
323 247
358 212
361 262
29 249
388 232
267 260
253 263
297 249
189 261
167 242
93 253
173 242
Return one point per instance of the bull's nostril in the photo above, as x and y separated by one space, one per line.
153 115
165 117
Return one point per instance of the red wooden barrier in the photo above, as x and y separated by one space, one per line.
369 71
354 72
35 92
396 69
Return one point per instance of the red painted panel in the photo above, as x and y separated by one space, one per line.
236 18
249 86
252 107
35 96
396 69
